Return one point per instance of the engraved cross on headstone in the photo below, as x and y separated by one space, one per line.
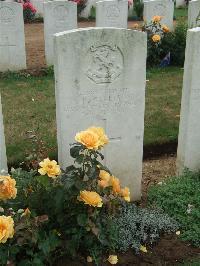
112 139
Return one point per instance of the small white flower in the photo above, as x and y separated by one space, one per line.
178 233
1 209
189 209
160 183
32 99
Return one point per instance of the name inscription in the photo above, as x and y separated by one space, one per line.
96 103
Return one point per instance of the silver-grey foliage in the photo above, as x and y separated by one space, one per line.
137 226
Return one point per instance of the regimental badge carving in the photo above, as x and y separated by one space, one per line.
113 12
198 20
105 64
60 13
6 15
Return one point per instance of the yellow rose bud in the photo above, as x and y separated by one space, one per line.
90 198
50 168
156 38
143 249
6 228
105 179
113 259
7 188
156 19
26 212
125 193
89 259
115 183
165 28
135 26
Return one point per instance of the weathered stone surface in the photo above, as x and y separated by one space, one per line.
12 41
3 158
112 13
58 16
164 8
188 154
39 6
101 82
180 3
194 14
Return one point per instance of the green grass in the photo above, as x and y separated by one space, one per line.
179 197
181 13
29 105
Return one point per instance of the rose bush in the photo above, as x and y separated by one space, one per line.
52 212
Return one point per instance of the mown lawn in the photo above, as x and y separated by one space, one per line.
29 105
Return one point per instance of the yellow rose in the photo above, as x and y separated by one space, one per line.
115 183
6 228
90 198
143 249
105 179
103 139
156 38
7 188
89 259
125 193
89 139
135 26
165 28
156 19
113 259
50 168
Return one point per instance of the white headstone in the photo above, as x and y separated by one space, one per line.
112 13
101 82
3 158
12 41
188 154
180 3
86 12
39 6
194 14
58 16
163 8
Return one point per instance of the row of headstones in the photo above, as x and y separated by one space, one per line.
61 16
101 81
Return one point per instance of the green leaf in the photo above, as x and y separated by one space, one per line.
43 180
93 172
82 219
75 150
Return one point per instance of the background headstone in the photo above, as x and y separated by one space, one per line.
3 158
112 13
12 41
164 8
58 16
194 14
180 3
39 6
188 154
101 82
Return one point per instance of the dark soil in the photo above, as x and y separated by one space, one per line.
168 251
